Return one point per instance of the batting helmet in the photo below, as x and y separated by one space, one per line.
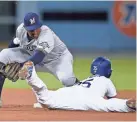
101 66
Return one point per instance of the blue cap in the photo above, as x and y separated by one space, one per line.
31 21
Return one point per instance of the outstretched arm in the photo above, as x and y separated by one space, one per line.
111 90
36 58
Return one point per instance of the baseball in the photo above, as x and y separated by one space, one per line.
16 41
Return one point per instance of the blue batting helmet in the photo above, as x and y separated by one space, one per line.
32 21
101 66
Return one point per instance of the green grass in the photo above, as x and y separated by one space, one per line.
123 76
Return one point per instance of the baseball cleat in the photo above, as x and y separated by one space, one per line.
131 103
37 105
26 71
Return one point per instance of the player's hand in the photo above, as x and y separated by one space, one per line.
26 71
11 71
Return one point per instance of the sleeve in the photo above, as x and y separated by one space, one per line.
36 58
45 42
12 44
111 90
16 41
19 31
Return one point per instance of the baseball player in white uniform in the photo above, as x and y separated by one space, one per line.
86 95
38 43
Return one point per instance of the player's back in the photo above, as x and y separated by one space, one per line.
98 86
58 46
81 95
93 86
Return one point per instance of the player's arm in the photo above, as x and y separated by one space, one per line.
36 58
13 43
16 42
111 90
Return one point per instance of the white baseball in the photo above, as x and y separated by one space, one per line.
16 41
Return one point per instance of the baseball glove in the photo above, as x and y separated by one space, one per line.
11 71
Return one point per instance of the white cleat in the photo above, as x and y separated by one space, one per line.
37 105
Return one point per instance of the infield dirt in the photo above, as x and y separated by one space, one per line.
18 105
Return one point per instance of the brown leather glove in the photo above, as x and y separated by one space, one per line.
12 70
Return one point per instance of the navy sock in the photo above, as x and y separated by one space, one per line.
2 79
77 80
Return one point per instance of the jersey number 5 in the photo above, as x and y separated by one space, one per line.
86 83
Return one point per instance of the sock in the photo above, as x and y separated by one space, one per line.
2 79
77 81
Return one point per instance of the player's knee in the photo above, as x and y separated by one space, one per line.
68 81
2 74
5 51
4 56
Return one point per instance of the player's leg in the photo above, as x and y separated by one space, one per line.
7 56
10 55
62 69
59 99
2 79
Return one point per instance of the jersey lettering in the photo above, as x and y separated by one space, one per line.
86 83
44 45
30 47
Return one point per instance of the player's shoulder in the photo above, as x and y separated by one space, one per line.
45 29
20 28
105 78
102 79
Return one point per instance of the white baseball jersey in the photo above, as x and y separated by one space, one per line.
47 42
101 86
88 95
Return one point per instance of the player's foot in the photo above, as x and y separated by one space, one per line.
0 103
131 103
26 71
37 105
